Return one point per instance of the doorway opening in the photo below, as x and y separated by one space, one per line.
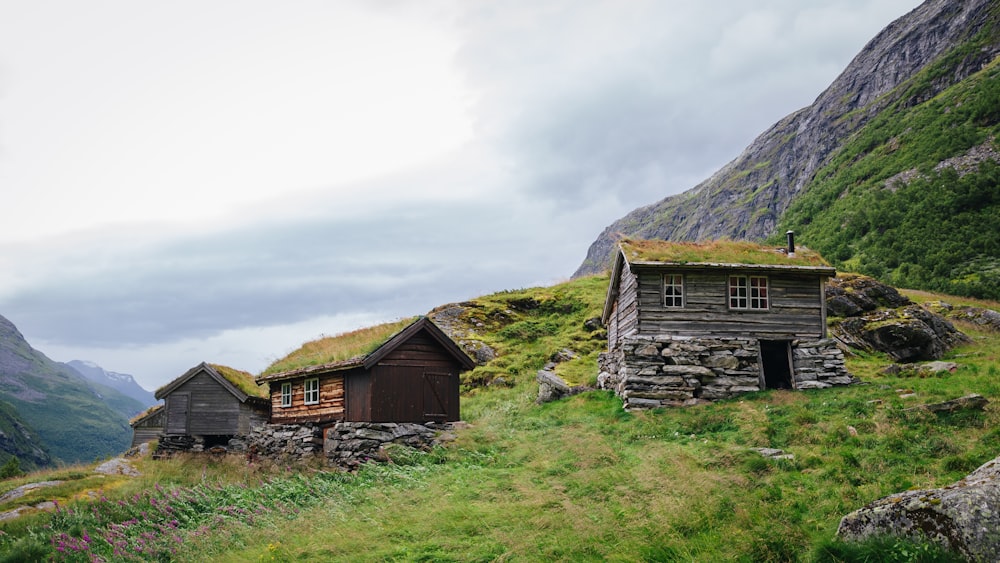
776 364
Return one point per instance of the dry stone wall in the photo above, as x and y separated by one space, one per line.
349 444
285 441
650 372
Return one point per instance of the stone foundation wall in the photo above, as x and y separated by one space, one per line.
349 444
285 441
649 372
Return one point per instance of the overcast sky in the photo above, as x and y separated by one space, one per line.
225 180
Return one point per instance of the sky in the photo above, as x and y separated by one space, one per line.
223 181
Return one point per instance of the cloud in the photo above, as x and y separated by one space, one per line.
278 171
643 99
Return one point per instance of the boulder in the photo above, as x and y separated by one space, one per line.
117 466
551 387
973 401
909 334
850 295
987 319
963 517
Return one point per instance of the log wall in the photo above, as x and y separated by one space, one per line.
330 407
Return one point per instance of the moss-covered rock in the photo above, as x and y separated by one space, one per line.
963 517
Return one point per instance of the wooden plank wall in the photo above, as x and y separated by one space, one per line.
177 406
398 383
145 434
796 307
213 410
329 409
627 309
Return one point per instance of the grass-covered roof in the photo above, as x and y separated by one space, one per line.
151 410
348 348
717 252
242 380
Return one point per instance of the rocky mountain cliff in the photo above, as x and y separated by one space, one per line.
747 198
124 383
74 419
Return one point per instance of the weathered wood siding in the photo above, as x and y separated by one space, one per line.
359 396
149 428
417 382
796 307
177 406
626 309
329 409
143 435
254 411
211 410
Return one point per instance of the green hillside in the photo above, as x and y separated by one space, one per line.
17 439
913 198
576 479
76 420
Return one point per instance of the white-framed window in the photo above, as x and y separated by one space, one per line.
748 292
286 394
673 290
312 391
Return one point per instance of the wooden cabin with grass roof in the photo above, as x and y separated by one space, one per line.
147 425
406 371
693 321
209 405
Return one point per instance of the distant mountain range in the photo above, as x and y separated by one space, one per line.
122 382
891 172
51 413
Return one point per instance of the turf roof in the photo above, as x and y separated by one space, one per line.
716 252
242 381
341 348
146 413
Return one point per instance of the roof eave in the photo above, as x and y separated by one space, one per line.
612 295
320 369
423 323
823 270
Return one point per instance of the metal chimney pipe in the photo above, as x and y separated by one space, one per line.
791 241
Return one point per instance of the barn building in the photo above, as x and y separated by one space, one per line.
696 321
209 405
397 372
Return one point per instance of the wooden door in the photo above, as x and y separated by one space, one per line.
177 413
436 395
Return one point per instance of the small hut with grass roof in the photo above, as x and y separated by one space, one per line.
406 371
692 321
210 405
147 425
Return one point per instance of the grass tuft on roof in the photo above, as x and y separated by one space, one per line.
243 381
716 252
341 347
145 413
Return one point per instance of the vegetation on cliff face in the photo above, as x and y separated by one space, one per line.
576 479
892 172
914 197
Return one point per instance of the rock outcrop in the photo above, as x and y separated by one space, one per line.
909 334
963 517
746 198
876 318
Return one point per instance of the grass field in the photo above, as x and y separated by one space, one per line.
577 479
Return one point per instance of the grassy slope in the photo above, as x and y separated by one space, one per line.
936 231
580 479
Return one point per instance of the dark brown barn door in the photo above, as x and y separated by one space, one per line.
776 364
436 395
177 413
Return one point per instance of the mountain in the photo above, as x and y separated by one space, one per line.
121 382
915 110
75 420
17 439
